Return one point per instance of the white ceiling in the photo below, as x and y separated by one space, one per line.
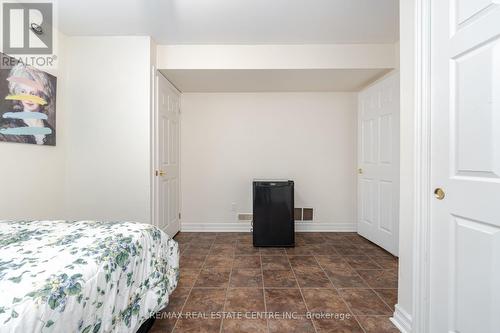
235 21
217 80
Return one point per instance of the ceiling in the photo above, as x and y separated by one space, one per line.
235 21
268 80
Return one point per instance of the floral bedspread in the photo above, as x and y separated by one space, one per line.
85 276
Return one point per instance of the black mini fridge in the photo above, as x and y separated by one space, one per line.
273 213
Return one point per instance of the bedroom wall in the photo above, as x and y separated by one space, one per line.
32 176
227 139
108 127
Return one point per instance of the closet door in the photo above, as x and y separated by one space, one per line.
465 167
167 182
378 160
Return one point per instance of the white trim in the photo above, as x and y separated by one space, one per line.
394 71
421 244
170 84
402 320
245 227
180 158
152 147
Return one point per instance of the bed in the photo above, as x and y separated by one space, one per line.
83 276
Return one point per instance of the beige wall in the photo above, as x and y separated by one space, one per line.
32 176
228 139
108 126
310 56
100 167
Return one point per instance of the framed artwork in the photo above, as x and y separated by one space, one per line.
27 104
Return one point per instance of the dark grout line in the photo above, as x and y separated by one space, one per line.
372 289
189 294
342 298
300 290
227 291
263 289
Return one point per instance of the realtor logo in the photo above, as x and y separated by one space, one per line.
27 28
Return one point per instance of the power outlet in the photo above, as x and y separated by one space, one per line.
245 217
233 206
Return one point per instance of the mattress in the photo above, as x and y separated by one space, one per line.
83 276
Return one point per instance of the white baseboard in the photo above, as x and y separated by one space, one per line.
401 319
245 227
215 227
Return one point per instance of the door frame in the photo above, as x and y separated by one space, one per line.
422 163
155 73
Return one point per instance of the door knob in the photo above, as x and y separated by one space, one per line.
439 193
360 171
160 173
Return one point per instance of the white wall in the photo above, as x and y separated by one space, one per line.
229 139
33 176
108 128
407 168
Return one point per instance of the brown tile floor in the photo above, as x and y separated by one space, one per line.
338 274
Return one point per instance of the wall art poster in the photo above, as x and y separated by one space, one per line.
27 104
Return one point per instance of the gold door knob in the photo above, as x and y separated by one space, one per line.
439 193
160 173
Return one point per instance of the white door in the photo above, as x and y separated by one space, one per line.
465 164
378 160
167 156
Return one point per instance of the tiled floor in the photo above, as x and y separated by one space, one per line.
328 274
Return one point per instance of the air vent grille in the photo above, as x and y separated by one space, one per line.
245 217
307 214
